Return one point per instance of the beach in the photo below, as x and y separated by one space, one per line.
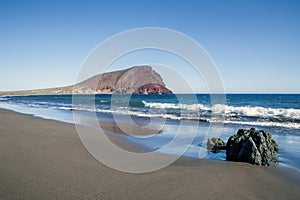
45 159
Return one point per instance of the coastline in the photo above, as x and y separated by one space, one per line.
44 159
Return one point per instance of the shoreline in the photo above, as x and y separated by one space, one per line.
44 159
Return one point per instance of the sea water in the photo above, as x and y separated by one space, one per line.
278 114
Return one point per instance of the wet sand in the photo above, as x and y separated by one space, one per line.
45 159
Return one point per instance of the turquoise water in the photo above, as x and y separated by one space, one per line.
275 113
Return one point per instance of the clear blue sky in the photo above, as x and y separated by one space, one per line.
255 44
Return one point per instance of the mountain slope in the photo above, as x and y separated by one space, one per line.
135 80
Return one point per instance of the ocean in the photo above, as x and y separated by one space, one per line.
278 114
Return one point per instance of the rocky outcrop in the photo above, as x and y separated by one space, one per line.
135 78
138 79
252 146
152 88
215 145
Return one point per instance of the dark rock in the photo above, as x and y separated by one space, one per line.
215 145
152 88
252 146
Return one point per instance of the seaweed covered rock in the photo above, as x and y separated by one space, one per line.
215 145
252 146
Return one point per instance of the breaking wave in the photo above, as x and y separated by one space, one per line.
163 107
231 110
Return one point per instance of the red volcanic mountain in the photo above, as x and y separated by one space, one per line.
135 80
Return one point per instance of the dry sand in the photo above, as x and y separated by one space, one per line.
44 159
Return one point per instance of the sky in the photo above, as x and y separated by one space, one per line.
254 44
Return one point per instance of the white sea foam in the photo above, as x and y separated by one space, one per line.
170 116
125 111
194 111
193 107
65 108
231 110
257 111
267 124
